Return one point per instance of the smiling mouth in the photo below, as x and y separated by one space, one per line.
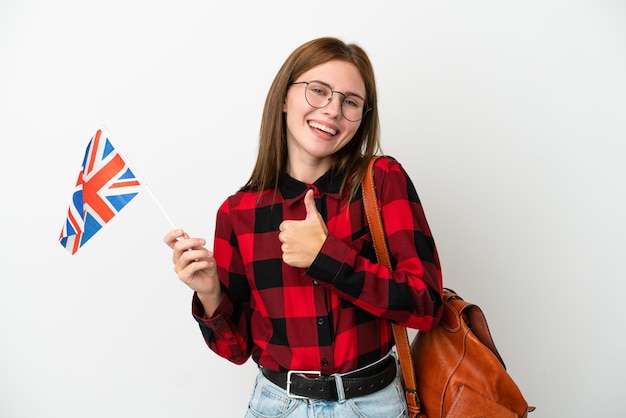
323 128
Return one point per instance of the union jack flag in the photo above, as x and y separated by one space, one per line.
105 185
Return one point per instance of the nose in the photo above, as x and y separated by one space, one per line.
333 108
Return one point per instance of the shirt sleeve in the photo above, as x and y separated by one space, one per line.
411 293
226 332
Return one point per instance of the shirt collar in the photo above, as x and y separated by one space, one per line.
293 190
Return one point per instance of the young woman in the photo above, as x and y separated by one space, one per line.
293 280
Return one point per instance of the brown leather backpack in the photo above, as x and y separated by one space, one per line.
458 370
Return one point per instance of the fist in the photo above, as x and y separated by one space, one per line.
302 240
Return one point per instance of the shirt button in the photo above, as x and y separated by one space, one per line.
324 362
320 321
315 283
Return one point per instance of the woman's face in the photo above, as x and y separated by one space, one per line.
313 134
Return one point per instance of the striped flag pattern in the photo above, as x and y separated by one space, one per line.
105 185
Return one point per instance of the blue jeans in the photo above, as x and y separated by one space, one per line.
271 401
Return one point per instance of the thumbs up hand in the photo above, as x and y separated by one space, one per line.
302 240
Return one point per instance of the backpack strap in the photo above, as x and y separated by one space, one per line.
400 335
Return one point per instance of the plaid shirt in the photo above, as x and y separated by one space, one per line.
333 316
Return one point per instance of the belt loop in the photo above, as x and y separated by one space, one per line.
341 395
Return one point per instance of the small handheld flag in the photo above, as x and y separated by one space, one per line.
105 185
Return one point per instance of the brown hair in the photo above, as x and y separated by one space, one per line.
353 157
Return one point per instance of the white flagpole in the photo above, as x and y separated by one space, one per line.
143 183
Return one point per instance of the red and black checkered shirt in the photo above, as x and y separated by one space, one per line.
333 316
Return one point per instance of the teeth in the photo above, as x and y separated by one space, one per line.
322 128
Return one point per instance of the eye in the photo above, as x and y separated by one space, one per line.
353 102
319 89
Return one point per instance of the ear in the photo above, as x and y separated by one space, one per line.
284 106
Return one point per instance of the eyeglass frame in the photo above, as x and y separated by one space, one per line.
332 92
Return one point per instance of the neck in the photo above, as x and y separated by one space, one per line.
308 172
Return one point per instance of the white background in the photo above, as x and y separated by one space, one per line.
509 117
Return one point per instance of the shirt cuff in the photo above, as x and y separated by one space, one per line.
216 321
326 267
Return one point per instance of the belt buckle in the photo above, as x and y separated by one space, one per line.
291 372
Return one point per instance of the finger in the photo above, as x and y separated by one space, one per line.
200 258
195 254
172 236
309 204
284 226
187 273
185 244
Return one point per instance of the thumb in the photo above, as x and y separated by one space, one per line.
309 204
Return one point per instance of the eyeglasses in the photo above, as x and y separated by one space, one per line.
319 95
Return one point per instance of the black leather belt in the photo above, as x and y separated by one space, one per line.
358 383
